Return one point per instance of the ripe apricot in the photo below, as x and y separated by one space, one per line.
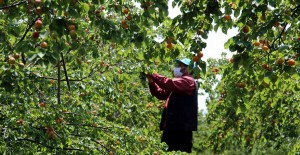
195 58
170 46
227 17
291 62
280 61
265 48
256 43
200 55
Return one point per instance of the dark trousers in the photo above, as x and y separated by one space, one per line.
178 140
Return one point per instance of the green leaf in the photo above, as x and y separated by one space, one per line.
283 47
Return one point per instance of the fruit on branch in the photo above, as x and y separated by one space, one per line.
42 104
246 29
39 10
231 60
44 44
35 35
20 122
124 24
241 85
72 33
11 60
38 2
265 48
170 46
227 17
215 70
59 120
125 10
280 61
129 17
291 62
199 54
71 27
256 43
16 55
195 58
38 24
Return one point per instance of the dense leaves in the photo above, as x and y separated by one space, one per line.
72 74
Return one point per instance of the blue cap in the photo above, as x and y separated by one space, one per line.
185 61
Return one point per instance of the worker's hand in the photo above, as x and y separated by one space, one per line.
150 80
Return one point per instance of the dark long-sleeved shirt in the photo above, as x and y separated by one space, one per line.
162 87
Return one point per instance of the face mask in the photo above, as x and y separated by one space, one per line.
177 72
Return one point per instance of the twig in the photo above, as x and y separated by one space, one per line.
65 70
88 125
12 5
58 77
101 145
50 147
23 37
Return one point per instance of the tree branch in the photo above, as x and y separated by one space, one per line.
13 5
50 147
23 37
65 71
101 145
58 78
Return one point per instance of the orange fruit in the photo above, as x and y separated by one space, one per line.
265 48
231 60
280 61
125 10
16 56
241 85
195 58
44 44
256 43
20 122
38 24
129 17
200 55
291 62
71 27
42 104
227 17
169 46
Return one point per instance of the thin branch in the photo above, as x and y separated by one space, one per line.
58 78
13 5
23 37
101 145
50 147
65 71
88 125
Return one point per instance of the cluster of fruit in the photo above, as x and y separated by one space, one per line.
128 17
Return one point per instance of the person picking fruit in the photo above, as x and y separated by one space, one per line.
180 113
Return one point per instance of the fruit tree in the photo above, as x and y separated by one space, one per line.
73 73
